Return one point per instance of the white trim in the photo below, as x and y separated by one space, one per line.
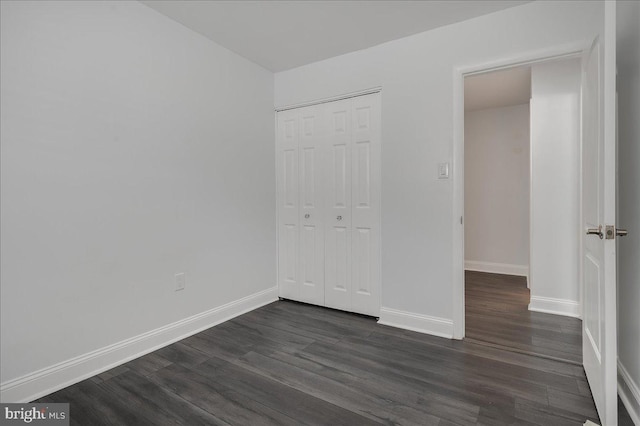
276 201
50 379
531 257
459 72
497 268
330 99
608 409
457 165
629 393
416 322
549 305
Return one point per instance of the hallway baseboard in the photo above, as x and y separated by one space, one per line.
50 379
549 305
497 268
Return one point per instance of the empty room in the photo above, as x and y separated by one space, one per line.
319 212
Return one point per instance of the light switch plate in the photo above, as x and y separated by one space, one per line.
180 281
443 170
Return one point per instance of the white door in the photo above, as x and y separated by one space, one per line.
365 208
288 212
598 210
328 176
311 160
338 207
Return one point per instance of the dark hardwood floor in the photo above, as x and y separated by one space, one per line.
497 312
294 364
497 315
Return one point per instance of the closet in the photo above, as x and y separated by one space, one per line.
328 195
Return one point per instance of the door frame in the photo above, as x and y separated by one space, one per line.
459 73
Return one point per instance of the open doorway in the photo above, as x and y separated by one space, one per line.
521 208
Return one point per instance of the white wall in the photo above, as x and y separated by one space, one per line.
496 185
132 149
416 75
628 85
555 201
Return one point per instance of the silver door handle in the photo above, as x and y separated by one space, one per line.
596 231
611 232
307 216
339 217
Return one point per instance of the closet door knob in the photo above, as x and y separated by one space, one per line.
307 216
339 217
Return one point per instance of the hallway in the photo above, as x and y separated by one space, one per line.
497 313
497 316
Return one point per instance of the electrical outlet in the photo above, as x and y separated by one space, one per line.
180 281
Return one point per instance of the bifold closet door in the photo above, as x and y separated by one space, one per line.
300 208
311 153
352 279
328 174
288 211
338 200
365 204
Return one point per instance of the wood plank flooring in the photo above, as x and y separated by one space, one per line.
497 312
294 364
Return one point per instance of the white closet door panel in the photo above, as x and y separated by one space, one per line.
365 218
311 205
328 167
288 212
338 205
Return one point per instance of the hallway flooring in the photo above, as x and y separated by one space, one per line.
497 313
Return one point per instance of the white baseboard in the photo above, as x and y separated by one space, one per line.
549 305
629 393
50 379
496 268
416 322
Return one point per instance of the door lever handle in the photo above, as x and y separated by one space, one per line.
596 231
612 232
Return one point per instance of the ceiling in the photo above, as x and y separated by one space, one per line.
279 35
498 88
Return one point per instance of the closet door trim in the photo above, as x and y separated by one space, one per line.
331 99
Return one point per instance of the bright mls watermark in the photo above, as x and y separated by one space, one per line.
34 414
